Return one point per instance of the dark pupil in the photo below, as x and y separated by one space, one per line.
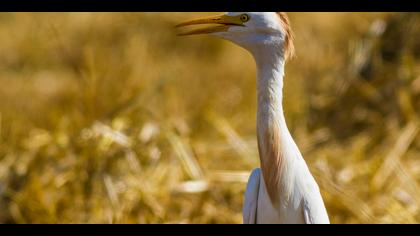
244 17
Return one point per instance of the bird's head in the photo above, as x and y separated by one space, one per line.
250 30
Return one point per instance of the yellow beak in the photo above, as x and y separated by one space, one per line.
223 23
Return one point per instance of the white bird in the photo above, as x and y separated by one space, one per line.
283 190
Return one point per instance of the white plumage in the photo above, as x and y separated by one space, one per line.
283 189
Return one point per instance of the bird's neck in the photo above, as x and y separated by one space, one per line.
276 146
270 73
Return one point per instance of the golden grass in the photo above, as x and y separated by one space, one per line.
111 118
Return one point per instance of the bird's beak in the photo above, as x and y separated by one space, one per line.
222 24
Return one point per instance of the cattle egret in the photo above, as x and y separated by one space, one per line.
283 190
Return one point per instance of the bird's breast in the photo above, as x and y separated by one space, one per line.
283 213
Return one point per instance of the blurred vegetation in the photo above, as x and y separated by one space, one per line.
111 118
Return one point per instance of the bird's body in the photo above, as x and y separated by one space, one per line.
283 189
305 205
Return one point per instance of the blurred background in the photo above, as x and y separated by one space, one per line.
111 118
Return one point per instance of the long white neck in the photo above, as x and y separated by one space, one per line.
270 73
276 146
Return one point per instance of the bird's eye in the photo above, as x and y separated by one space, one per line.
244 18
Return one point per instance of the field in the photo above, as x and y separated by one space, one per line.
112 118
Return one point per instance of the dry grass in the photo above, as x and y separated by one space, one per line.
109 117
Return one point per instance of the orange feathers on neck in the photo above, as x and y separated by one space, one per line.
289 48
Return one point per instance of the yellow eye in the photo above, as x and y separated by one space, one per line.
244 18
